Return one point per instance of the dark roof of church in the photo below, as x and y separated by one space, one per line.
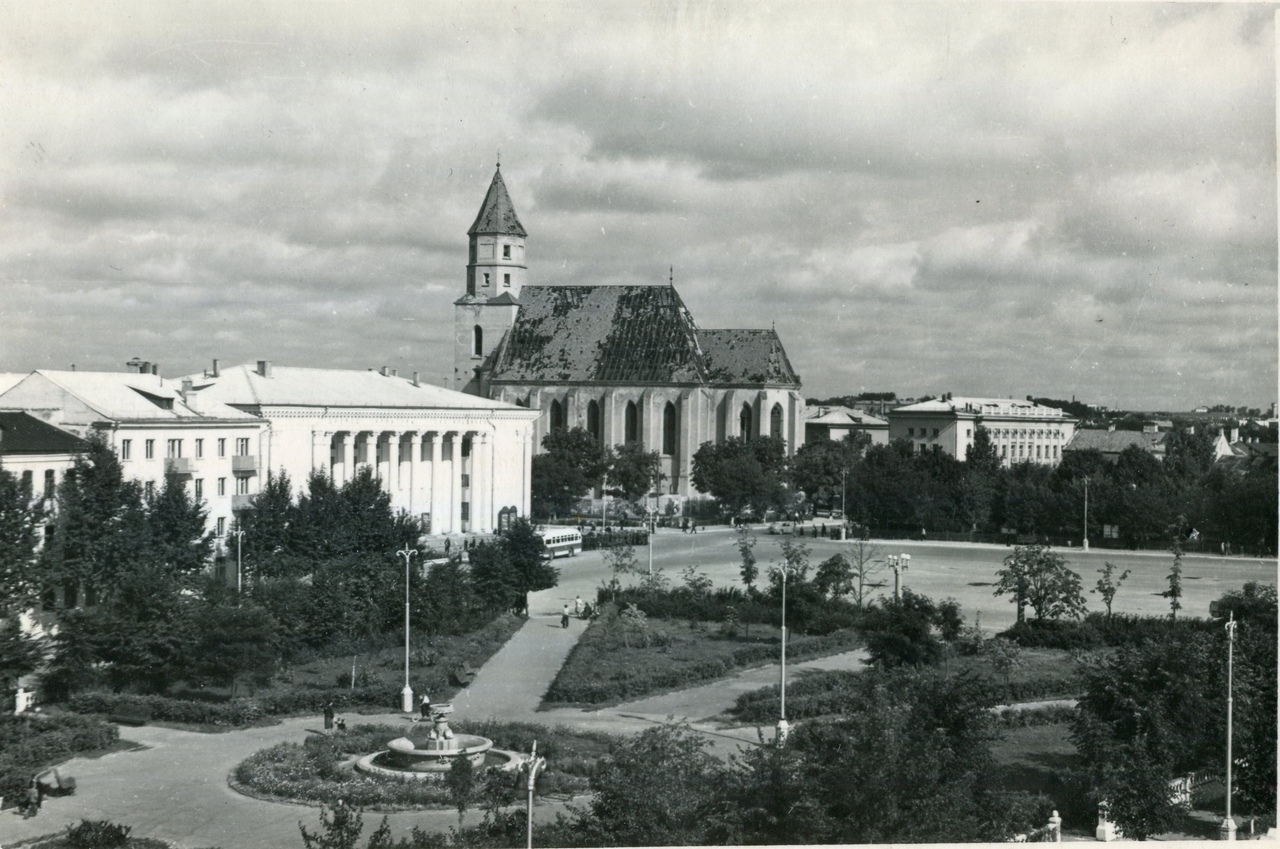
23 433
497 214
630 334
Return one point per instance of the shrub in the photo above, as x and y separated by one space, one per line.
28 745
97 834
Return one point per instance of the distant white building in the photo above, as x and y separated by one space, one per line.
835 422
1022 431
459 462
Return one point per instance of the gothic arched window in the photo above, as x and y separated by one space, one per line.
477 341
557 416
593 420
744 421
775 421
632 428
669 429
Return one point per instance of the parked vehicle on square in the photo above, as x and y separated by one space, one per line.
559 542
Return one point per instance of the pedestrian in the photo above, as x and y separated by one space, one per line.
31 800
564 617
424 707
577 605
328 716
447 544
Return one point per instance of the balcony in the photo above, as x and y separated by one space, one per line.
244 464
241 502
181 465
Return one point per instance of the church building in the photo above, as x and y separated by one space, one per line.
627 363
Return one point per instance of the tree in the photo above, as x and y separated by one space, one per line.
1108 585
572 462
1038 577
461 783
852 575
746 550
18 582
633 472
268 549
234 641
821 469
982 454
621 559
743 473
900 631
179 542
524 550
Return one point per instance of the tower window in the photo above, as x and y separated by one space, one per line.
506 252
775 420
486 280
557 416
506 281
477 341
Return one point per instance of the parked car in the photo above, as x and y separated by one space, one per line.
782 528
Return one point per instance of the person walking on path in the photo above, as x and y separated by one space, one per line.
424 707
31 800
564 617
577 606
328 716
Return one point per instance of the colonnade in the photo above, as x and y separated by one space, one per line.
445 476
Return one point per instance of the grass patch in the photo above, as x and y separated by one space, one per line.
305 689
31 743
622 657
318 770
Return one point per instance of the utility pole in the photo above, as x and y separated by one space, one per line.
534 764
1086 512
780 738
239 582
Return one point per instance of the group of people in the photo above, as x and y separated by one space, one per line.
581 609
32 799
330 721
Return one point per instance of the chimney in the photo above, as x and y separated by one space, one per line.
395 372
385 371
1111 427
217 370
264 368
155 369
186 389
1235 435
415 379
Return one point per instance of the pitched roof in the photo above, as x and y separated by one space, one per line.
1115 441
841 417
118 396
10 379
23 433
242 386
994 407
629 334
497 213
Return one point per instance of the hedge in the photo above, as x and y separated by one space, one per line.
30 744
235 712
1097 631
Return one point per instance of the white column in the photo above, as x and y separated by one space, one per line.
455 481
345 458
415 471
435 490
480 519
385 469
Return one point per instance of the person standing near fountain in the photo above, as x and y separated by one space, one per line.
328 716
424 708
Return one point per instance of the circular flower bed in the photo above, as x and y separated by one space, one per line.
318 771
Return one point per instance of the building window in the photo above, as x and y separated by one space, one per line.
744 421
126 449
477 341
506 252
968 432
222 448
593 420
631 423
222 526
486 280
911 431
1055 452
173 448
775 420
242 447
465 511
506 281
149 449
199 489
557 416
27 481
669 429
199 448
222 486
50 480
935 433
149 488
242 486
1004 450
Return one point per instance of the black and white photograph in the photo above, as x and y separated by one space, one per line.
714 423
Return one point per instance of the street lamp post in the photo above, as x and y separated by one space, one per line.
1227 831
1086 513
899 563
844 513
239 540
406 695
783 728
534 764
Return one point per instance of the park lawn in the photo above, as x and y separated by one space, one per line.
603 669
1042 674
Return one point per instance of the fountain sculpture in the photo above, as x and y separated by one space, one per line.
433 757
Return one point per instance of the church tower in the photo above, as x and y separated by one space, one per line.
495 276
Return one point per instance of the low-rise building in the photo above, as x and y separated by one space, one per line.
836 423
1110 443
1021 431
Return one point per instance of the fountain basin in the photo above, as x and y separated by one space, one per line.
382 764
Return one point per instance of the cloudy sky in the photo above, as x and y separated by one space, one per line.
987 199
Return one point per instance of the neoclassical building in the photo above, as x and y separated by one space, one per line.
1021 431
627 363
459 462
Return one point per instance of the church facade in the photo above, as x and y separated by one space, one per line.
626 363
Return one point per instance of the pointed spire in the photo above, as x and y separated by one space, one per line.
497 214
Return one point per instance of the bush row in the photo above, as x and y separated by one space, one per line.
1097 631
1047 715
30 744
234 712
804 613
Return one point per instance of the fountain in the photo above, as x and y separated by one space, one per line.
432 759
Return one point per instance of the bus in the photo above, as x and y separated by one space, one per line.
561 541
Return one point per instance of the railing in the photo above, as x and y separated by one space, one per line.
241 502
1188 789
181 465
1049 833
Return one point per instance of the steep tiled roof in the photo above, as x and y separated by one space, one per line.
630 334
242 386
22 433
1115 441
746 356
497 214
